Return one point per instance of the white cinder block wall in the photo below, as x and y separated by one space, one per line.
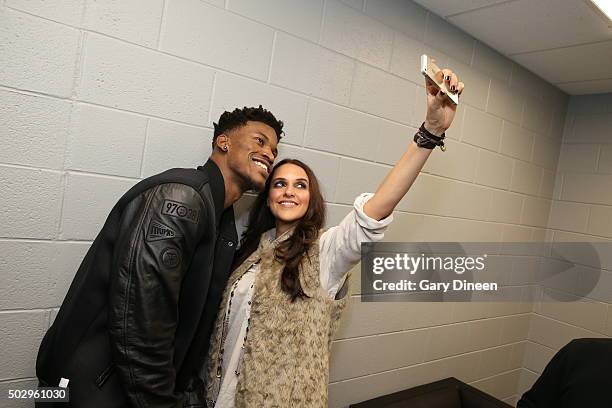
581 211
95 95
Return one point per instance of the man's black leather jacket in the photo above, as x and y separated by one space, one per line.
134 327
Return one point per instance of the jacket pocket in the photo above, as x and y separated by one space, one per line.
104 375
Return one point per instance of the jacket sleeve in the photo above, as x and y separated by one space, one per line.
158 235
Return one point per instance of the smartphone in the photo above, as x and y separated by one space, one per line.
432 72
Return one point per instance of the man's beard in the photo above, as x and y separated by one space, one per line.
248 184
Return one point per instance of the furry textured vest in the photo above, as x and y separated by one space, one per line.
286 356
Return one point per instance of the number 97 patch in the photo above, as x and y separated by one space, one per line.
180 210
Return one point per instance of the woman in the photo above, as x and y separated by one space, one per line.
271 343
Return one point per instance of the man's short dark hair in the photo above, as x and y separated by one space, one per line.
239 117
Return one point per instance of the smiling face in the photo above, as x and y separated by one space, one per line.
289 195
251 150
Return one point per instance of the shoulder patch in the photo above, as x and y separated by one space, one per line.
171 257
158 231
180 210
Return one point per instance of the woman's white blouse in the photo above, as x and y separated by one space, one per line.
339 250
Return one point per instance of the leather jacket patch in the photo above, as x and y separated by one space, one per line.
158 231
180 210
171 257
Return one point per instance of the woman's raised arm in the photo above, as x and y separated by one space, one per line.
440 114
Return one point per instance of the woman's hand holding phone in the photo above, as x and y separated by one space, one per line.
443 89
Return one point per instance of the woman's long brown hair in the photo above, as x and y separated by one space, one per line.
293 249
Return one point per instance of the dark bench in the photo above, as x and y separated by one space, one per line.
447 393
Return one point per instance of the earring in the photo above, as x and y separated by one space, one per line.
225 148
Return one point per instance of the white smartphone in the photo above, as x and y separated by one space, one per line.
431 71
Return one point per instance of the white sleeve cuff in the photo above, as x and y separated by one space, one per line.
364 220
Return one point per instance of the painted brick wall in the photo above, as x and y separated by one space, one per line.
95 95
581 211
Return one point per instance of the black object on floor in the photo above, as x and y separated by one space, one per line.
447 393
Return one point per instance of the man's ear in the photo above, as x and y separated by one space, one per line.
223 142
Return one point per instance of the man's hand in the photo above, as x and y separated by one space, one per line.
440 110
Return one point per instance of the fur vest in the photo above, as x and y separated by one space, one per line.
286 354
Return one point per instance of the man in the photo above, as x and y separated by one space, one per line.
577 376
134 327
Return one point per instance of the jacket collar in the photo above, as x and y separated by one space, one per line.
269 236
217 186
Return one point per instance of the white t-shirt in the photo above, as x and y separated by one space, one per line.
339 250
